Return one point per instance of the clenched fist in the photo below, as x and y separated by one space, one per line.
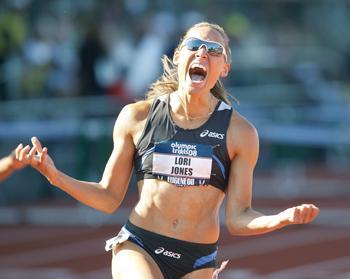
301 214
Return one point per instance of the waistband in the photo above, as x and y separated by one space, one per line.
140 231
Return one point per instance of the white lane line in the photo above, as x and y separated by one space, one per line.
271 243
42 273
30 234
104 273
335 269
53 273
324 269
239 273
53 254
54 216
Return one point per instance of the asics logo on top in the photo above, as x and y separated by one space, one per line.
207 133
170 254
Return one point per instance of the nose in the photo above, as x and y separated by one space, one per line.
202 52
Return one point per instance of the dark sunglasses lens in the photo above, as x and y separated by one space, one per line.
214 48
194 45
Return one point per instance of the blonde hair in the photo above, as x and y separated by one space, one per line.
169 81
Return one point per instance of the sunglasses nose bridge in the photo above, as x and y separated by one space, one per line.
203 46
200 50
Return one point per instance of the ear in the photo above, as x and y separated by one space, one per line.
225 70
176 57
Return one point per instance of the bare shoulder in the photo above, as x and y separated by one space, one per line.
240 124
242 134
136 111
132 118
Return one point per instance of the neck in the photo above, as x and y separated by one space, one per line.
194 106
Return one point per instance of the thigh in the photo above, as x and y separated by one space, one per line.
131 261
205 273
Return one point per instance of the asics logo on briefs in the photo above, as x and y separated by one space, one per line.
159 250
207 133
170 254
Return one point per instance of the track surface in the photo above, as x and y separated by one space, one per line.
319 250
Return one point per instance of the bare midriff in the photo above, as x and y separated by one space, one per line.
189 213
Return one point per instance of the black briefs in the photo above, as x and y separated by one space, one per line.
174 257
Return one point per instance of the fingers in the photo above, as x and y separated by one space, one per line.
303 214
307 214
18 150
297 215
33 155
37 144
32 152
23 153
42 155
314 210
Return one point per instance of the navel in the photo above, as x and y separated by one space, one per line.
175 223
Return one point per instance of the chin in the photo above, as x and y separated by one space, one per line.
194 88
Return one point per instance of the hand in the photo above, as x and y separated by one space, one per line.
37 157
16 164
301 214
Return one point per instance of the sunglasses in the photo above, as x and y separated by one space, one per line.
213 48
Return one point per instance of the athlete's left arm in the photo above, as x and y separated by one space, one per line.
240 218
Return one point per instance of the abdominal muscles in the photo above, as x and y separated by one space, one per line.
189 213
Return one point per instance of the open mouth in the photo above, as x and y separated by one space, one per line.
197 73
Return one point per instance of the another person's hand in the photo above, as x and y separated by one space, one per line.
37 157
10 164
16 164
301 214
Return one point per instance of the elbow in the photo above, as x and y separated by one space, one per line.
233 227
111 208
108 210
238 224
110 201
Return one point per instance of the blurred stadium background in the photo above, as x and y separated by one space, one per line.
66 69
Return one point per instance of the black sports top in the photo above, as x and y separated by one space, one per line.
184 157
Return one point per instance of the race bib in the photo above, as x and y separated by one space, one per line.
182 164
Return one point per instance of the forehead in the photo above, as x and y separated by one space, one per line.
206 33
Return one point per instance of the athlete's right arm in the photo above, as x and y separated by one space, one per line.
105 195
